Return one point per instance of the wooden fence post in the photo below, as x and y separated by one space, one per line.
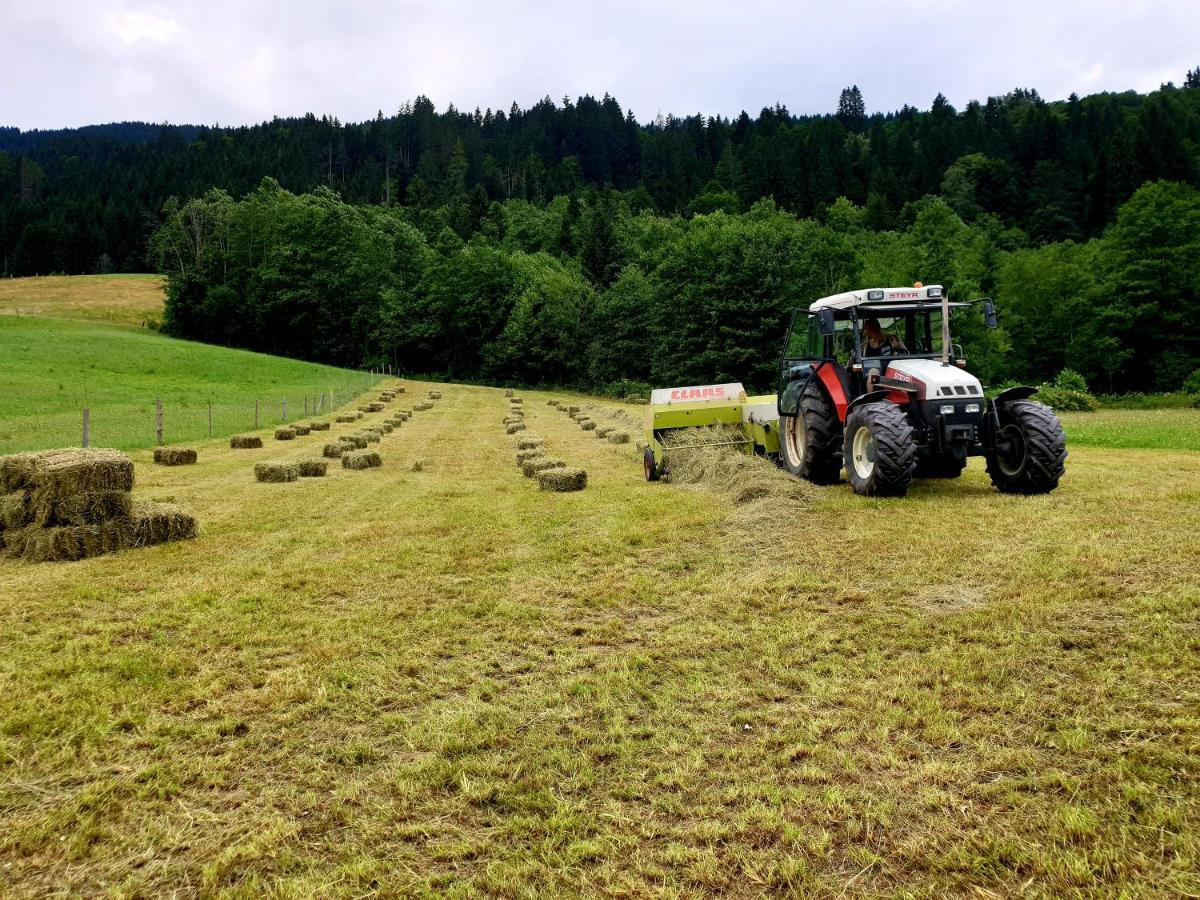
306 404
256 415
210 418
158 428
285 409
87 431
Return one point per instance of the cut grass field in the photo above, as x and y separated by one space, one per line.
446 681
130 300
53 368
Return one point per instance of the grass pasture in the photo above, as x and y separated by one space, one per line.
434 679
129 300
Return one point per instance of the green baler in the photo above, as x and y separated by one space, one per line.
748 423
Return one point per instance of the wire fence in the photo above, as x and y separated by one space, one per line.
161 420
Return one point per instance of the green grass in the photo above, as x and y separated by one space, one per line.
53 368
1157 429
404 682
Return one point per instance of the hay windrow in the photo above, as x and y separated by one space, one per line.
276 472
562 480
529 441
245 442
284 434
313 468
618 437
300 429
514 428
532 466
693 460
361 459
174 456
333 451
158 523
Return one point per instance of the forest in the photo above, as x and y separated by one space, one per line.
570 244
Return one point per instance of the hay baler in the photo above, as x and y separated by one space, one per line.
750 424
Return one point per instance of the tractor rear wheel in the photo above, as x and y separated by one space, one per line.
810 442
880 453
1031 449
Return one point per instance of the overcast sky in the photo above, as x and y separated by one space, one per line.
74 62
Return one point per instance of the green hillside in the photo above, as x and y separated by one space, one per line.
53 368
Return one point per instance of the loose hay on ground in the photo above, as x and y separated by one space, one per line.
562 480
693 460
276 472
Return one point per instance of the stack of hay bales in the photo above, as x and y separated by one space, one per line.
72 504
562 479
245 442
536 464
387 396
175 456
361 459
276 472
284 434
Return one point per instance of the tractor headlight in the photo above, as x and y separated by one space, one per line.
947 410
972 407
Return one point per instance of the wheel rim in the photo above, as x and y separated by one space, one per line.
1010 451
863 452
795 437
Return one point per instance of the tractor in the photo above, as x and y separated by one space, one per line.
869 381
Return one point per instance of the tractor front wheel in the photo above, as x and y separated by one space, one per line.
880 453
1030 452
809 441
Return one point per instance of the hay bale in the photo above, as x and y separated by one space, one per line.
157 523
404 414
618 437
536 464
313 468
245 442
603 431
571 410
14 510
284 434
562 479
345 418
400 390
90 508
64 473
333 451
514 427
508 392
354 441
515 401
375 406
387 427
361 459
552 402
275 472
372 436
587 424
422 406
68 542
301 429
529 441
376 430
174 456
435 395
418 465
523 455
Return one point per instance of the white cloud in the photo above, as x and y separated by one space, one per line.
135 26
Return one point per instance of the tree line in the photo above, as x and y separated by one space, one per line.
598 289
87 200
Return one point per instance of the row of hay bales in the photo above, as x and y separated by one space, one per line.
352 449
587 422
75 503
552 474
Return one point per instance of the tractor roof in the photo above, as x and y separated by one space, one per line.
881 296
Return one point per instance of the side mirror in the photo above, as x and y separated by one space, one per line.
825 322
989 313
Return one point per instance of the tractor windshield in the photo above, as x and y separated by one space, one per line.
906 332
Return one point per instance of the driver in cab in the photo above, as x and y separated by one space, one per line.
877 343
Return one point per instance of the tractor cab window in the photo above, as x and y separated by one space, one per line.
898 327
805 341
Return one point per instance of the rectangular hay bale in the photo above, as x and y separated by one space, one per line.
62 473
361 459
318 426
276 472
245 442
333 451
523 455
618 437
284 434
534 465
300 429
313 468
529 441
158 523
174 456
562 480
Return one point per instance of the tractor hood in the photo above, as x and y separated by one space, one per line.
935 380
